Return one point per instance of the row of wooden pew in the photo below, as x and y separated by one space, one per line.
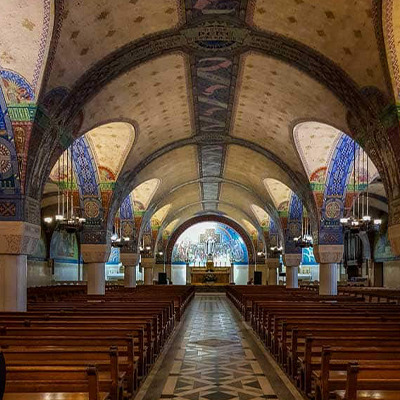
331 347
87 347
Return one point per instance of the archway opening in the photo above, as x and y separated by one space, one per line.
210 241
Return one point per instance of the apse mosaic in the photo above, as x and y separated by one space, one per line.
220 240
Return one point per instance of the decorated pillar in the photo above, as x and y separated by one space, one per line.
95 257
129 261
272 265
292 262
328 257
17 240
148 267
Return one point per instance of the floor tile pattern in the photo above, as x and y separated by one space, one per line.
214 361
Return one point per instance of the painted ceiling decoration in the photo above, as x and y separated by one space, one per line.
261 215
279 192
111 144
249 227
143 194
160 215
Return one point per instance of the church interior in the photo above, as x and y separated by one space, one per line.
199 199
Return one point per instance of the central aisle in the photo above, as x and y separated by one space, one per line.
214 357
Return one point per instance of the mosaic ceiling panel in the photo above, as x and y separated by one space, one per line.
150 95
341 30
110 145
93 29
279 192
25 29
271 97
315 143
143 194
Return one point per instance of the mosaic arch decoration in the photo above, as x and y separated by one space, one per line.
294 224
339 172
210 218
280 194
225 243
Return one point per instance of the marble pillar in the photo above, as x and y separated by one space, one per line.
130 261
252 268
273 266
292 263
148 267
17 240
95 257
232 274
328 257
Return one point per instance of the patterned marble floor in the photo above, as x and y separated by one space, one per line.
214 360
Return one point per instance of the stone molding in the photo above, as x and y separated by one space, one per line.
95 253
129 259
292 260
272 263
18 237
328 254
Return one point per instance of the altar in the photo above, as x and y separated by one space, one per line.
203 276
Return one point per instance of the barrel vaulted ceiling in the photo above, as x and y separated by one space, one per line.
221 130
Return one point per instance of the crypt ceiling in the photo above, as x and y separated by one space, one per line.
204 106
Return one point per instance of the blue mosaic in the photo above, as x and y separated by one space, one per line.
85 168
331 231
126 210
295 219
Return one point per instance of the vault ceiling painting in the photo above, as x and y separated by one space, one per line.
200 125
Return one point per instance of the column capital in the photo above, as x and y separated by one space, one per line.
95 253
272 262
394 238
292 260
129 259
328 254
18 237
147 262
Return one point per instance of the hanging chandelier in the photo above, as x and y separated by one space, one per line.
305 240
67 217
360 220
117 239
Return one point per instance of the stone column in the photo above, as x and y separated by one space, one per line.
95 257
168 270
17 240
292 263
272 265
130 261
252 268
148 266
328 256
188 274
232 274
